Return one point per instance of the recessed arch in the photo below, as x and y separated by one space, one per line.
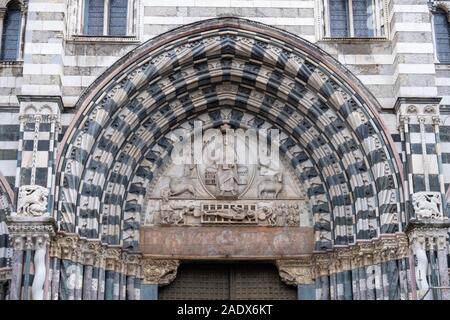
6 207
343 151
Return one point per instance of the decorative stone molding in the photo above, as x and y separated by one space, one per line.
30 233
422 110
32 201
430 235
33 233
112 258
361 254
160 272
67 245
296 271
132 262
92 252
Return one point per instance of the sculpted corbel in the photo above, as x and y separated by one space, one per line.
160 272
295 272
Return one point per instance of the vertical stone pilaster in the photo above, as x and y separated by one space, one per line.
43 68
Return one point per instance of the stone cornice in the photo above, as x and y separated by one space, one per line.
30 232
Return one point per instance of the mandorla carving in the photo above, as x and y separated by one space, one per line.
32 201
160 272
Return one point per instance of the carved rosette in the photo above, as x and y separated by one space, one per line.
160 272
296 271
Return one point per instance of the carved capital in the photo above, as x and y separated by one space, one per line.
295 272
160 272
112 257
30 233
132 261
90 250
68 244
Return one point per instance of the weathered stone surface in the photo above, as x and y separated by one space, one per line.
226 242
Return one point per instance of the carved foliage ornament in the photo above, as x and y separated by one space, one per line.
160 272
294 272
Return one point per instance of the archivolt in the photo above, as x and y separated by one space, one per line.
6 207
334 138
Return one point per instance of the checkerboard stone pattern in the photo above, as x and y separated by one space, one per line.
38 135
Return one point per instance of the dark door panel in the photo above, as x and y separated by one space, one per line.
227 281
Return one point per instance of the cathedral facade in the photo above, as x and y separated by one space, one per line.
96 96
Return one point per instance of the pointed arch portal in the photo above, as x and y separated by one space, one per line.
338 161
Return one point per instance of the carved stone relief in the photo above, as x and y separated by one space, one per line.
261 192
427 205
160 272
32 201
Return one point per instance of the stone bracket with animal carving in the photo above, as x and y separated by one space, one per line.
427 205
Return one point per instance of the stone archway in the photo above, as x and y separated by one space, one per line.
334 141
6 207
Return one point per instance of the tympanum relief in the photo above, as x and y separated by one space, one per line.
238 193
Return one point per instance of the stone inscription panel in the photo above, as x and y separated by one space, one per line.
226 242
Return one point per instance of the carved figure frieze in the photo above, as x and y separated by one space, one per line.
179 212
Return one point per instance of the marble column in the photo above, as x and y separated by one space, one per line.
429 238
31 237
442 249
